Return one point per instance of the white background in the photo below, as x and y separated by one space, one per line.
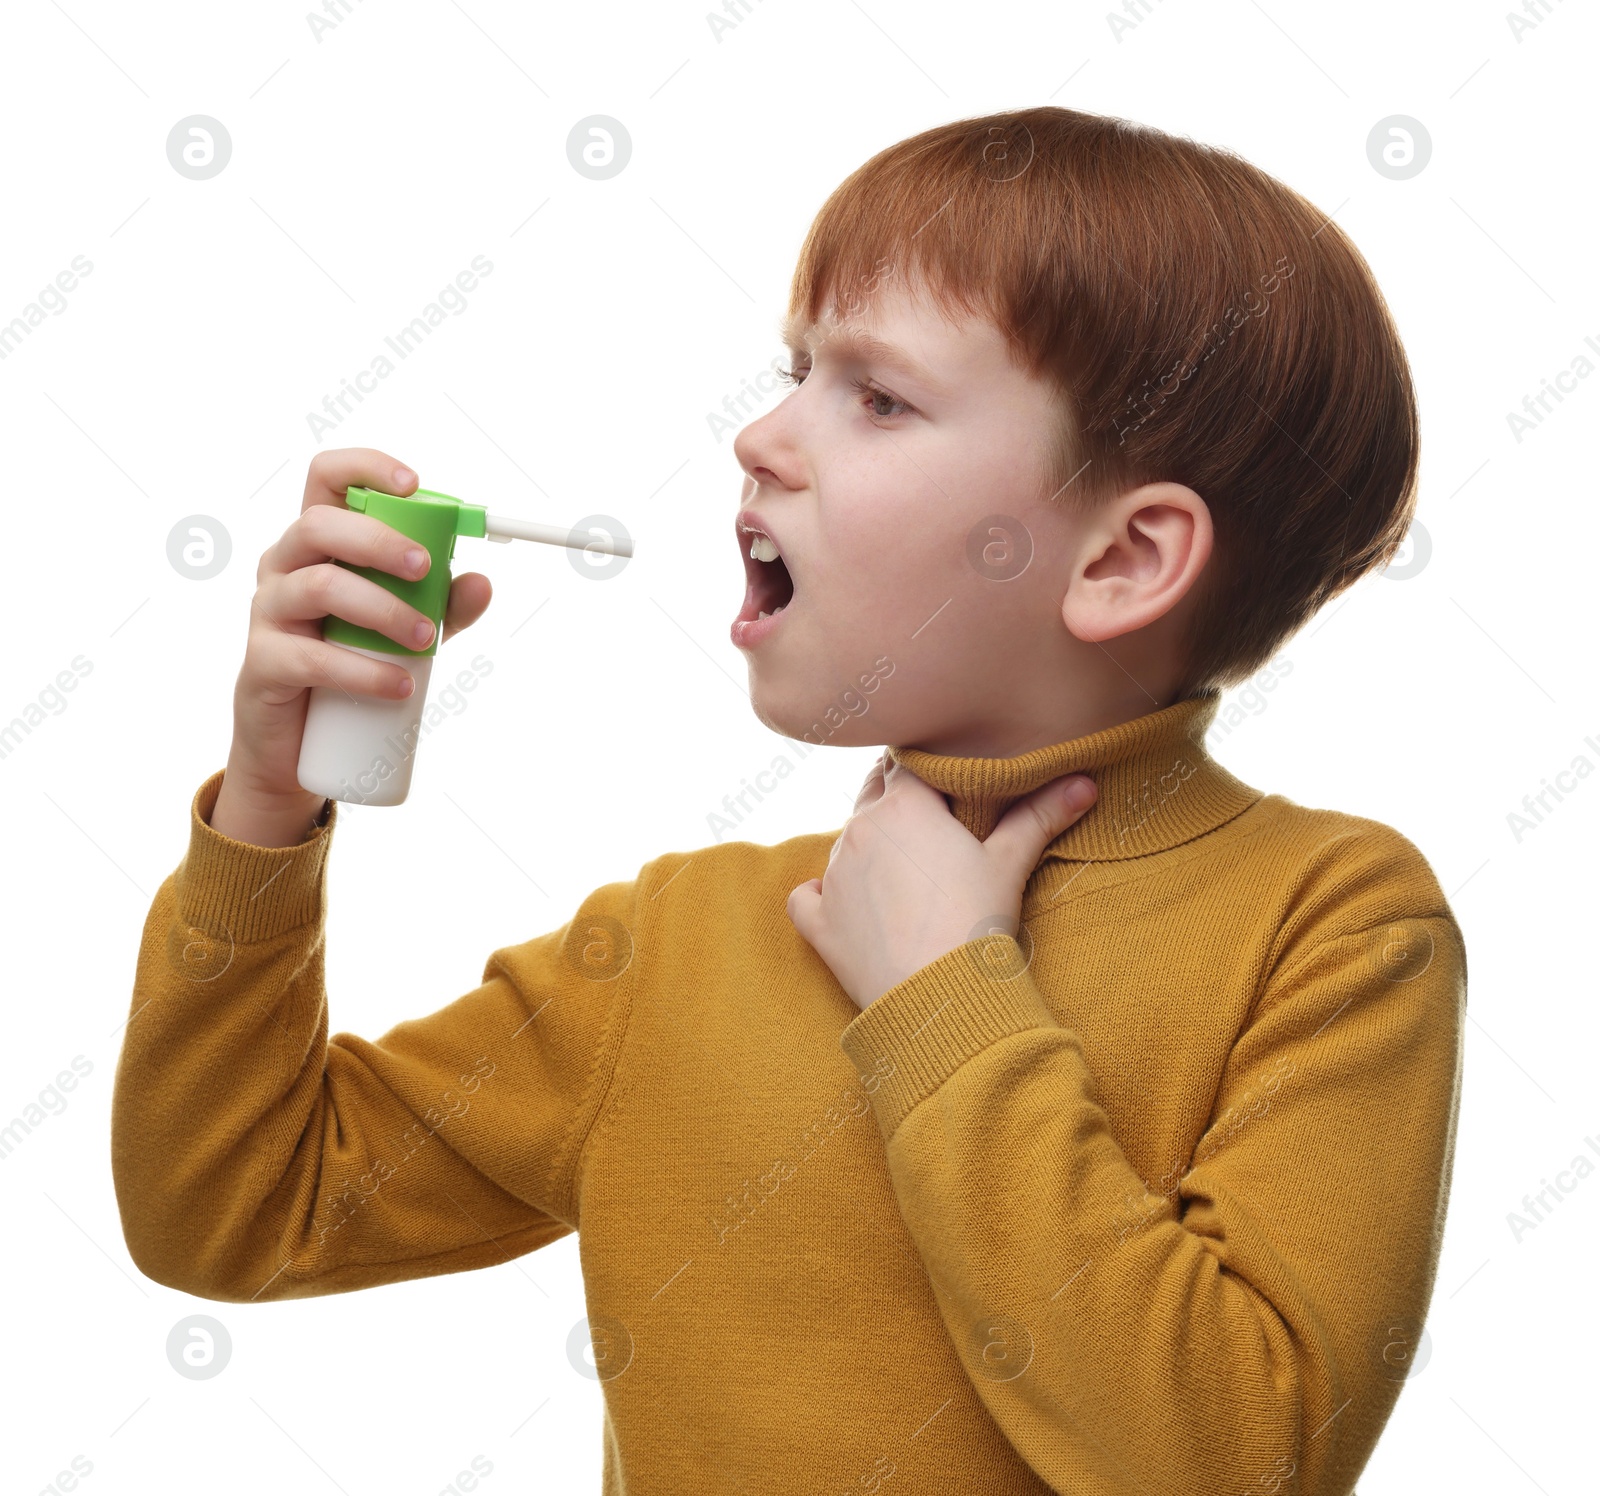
371 166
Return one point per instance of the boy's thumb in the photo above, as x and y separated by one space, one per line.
803 907
1037 819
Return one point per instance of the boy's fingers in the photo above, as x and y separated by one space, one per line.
331 473
805 903
872 785
1037 819
469 597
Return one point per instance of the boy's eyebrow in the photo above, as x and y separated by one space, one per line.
862 345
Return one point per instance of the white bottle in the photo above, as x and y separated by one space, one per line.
360 748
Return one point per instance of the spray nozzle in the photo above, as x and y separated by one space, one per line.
498 527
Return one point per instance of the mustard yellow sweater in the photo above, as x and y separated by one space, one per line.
1147 1200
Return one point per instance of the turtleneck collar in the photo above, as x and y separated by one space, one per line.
1159 786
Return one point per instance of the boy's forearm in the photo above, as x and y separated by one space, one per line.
254 1158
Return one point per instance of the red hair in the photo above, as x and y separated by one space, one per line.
1202 323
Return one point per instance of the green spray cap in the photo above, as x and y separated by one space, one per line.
431 519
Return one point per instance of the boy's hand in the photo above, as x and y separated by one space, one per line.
297 586
907 882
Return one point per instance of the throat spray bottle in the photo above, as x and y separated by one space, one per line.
360 749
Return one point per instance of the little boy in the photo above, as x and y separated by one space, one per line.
1079 1118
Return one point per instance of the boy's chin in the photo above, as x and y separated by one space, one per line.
821 722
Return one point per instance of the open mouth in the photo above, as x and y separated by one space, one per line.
769 588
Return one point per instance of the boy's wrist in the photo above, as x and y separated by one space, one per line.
249 874
283 821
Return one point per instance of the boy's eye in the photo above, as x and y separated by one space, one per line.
863 387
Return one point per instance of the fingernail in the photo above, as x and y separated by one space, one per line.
414 559
404 476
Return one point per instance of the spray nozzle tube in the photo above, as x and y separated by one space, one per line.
498 527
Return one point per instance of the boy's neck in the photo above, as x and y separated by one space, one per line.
1159 786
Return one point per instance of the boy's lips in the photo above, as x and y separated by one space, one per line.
769 585
746 633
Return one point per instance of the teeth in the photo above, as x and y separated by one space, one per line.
762 549
763 614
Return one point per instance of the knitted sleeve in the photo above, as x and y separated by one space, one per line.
1250 1329
255 1158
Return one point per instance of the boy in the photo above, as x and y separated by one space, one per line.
994 1143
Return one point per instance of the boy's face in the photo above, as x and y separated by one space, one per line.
911 622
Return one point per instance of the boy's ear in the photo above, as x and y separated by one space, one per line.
1137 558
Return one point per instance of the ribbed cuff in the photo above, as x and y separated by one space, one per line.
248 893
919 1033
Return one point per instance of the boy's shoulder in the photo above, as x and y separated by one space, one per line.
703 902
1343 847
1331 873
742 865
